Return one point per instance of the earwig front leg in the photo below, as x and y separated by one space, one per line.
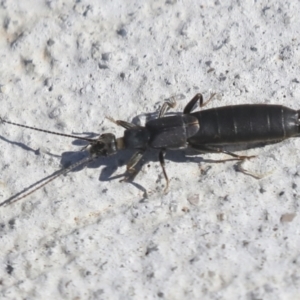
162 154
124 124
167 105
132 172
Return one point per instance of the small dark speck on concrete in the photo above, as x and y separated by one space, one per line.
48 82
294 185
15 42
6 23
160 294
194 259
102 67
208 63
104 191
105 56
122 75
281 193
50 42
167 82
27 62
262 190
253 49
29 65
265 9
226 198
9 269
151 248
222 77
88 8
295 80
11 223
122 32
245 243
285 53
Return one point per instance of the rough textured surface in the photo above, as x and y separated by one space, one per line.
218 234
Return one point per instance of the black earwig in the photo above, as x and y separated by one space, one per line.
210 130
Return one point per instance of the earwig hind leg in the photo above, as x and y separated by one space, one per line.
191 105
211 149
240 168
162 154
239 157
131 171
197 98
212 95
121 123
171 103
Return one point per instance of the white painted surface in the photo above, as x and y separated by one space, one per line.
214 236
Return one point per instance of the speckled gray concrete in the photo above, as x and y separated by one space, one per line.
218 234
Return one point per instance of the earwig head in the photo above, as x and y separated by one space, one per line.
105 145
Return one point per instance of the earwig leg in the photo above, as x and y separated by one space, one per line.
210 149
241 169
239 157
171 103
191 105
197 98
207 101
132 172
162 163
124 124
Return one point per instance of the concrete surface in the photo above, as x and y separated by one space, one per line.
218 234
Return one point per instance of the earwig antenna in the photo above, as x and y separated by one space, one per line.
47 131
17 197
